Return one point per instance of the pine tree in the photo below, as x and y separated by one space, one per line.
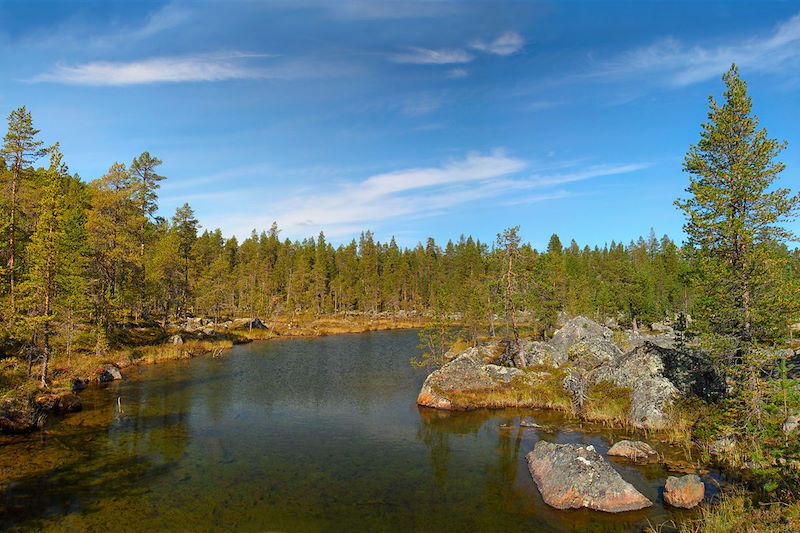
508 241
20 149
735 219
734 213
146 182
185 225
45 259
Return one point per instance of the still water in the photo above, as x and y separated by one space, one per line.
293 435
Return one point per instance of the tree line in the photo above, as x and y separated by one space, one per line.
83 259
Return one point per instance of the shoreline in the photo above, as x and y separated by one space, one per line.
24 407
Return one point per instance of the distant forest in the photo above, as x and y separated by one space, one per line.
81 259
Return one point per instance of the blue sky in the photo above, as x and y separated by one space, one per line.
412 119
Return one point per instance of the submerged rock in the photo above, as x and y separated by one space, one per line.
632 449
108 373
571 476
685 491
70 403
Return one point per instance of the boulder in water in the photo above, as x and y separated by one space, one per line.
685 491
632 449
571 476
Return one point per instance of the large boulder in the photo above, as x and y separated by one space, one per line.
538 353
571 476
632 449
591 353
641 371
688 370
467 372
574 331
247 323
685 491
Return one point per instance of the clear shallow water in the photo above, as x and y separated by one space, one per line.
293 435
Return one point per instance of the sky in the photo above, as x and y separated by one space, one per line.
408 118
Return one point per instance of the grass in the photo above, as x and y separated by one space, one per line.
538 388
608 404
738 513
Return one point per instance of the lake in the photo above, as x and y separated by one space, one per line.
294 435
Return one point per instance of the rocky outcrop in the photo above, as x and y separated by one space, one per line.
574 331
641 371
538 353
632 449
571 476
583 352
685 491
468 372
108 373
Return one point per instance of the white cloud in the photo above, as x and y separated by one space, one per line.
491 179
457 73
507 44
678 64
428 56
182 69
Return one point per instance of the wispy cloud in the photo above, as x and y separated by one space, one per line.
494 178
428 56
182 69
505 45
679 64
457 73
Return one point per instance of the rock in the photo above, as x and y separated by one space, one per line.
18 416
108 373
78 384
632 449
58 402
688 370
684 467
685 491
528 423
641 371
661 327
176 340
538 353
247 323
571 476
574 331
592 353
467 372
70 403
791 424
